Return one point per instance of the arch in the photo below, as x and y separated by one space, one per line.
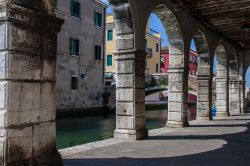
203 53
233 69
178 75
222 65
130 80
222 96
172 27
234 89
123 24
204 79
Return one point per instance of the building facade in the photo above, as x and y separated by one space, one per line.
193 61
193 67
80 50
152 44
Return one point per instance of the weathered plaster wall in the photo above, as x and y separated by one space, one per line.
90 87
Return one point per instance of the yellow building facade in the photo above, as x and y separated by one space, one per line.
153 48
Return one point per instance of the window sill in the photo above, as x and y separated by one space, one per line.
99 27
74 55
76 18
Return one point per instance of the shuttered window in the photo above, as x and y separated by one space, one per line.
98 19
75 8
74 46
110 35
109 60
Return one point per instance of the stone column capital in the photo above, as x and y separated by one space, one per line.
222 79
30 18
178 69
130 55
204 77
242 81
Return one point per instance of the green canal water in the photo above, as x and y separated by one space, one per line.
72 131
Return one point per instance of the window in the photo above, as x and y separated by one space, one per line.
190 58
98 19
74 46
75 8
157 47
98 52
162 59
157 68
56 1
109 60
110 34
74 83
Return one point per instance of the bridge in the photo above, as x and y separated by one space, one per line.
156 89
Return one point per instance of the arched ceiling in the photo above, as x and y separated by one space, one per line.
225 17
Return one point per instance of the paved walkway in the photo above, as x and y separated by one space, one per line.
215 143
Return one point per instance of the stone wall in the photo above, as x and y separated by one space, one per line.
85 67
27 73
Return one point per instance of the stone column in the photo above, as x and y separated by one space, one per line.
222 97
178 97
204 97
234 106
242 96
130 95
27 84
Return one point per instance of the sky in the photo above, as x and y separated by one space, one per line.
156 25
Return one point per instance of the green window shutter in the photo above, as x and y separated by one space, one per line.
78 9
109 60
75 8
110 35
74 46
71 7
97 19
100 19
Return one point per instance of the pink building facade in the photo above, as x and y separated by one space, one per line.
193 67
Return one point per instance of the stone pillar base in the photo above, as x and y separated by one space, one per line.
174 124
130 134
235 113
204 118
221 115
49 158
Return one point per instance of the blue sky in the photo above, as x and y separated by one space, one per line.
156 25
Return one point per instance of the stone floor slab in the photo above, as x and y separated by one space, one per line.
204 143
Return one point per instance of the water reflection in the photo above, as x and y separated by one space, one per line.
72 131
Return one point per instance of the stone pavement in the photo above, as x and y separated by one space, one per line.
212 143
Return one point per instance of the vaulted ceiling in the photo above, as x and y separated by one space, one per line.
225 17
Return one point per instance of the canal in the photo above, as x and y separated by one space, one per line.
72 131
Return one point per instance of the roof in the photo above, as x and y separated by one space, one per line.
224 17
102 3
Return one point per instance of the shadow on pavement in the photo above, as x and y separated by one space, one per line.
235 153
